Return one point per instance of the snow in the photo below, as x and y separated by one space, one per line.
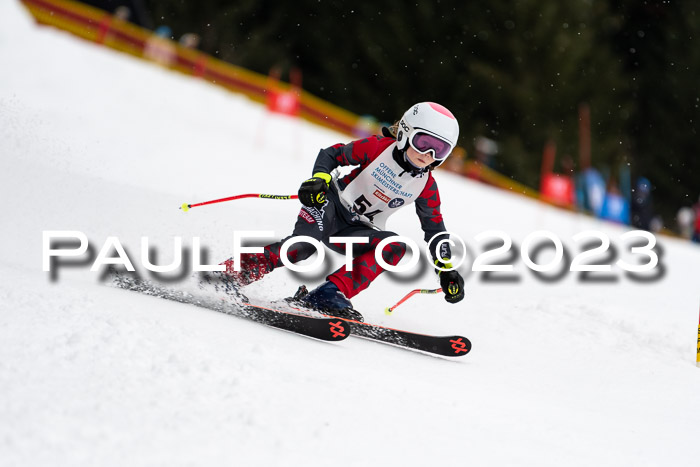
561 373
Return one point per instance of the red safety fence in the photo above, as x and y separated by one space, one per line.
108 30
103 28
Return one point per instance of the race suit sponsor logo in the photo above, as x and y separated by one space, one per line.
381 196
306 216
312 215
396 202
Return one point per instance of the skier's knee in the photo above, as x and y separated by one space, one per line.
393 251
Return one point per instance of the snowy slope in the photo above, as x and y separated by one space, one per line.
562 373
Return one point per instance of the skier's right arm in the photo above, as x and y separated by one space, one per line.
360 152
313 191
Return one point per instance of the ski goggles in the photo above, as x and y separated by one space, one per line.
426 142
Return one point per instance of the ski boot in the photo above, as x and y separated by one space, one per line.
327 299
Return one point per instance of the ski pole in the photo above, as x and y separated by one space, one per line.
186 207
390 310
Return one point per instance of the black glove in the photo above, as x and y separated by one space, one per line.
312 192
451 282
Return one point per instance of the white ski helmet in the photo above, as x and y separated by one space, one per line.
428 127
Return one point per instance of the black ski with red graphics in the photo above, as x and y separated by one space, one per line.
324 328
319 327
446 346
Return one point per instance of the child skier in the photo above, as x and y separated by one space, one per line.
395 170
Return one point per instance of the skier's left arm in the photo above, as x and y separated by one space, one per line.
428 210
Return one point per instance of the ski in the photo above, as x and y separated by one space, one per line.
446 346
297 320
324 327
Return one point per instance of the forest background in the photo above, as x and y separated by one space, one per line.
516 72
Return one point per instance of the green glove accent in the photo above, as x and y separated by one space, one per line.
451 282
313 191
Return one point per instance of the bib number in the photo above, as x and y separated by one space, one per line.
361 205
